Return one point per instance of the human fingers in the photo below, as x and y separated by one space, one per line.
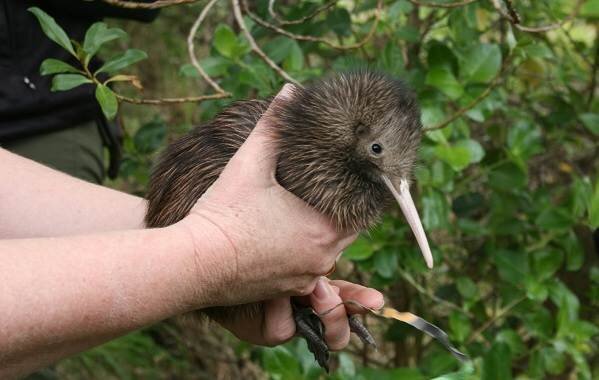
258 154
324 298
278 324
368 297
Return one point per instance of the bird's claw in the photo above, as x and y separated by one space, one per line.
311 328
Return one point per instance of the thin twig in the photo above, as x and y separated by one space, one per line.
275 16
494 319
593 84
255 48
473 103
303 37
442 5
433 297
153 5
191 48
509 11
164 101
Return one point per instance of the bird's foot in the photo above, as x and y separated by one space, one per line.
311 328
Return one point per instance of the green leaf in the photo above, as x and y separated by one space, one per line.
52 30
474 148
555 361
55 66
278 361
512 266
594 207
507 177
128 58
536 290
434 210
399 7
545 263
385 263
591 122
279 48
590 9
513 340
107 100
64 82
497 363
295 60
97 35
554 219
150 137
361 249
225 41
456 156
213 66
524 140
339 21
467 288
459 325
480 63
443 79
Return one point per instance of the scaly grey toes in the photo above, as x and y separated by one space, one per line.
309 326
357 327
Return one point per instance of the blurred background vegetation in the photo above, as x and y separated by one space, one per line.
506 184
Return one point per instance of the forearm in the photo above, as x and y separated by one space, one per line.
36 201
63 295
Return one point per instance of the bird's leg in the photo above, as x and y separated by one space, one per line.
311 328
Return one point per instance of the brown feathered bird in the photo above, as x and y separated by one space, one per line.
347 145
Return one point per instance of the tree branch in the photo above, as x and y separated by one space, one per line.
442 5
191 48
164 101
275 16
153 5
512 16
255 48
302 37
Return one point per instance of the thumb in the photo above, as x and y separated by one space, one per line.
258 153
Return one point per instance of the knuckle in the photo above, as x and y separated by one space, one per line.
279 334
304 289
339 341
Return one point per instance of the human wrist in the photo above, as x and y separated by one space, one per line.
208 260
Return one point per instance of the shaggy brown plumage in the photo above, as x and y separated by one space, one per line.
324 135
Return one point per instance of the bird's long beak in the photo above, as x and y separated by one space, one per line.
401 191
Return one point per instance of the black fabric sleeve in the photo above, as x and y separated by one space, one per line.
98 9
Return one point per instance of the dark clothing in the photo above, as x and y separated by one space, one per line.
27 106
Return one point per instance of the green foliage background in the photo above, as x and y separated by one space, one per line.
508 191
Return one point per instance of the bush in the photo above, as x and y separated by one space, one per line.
506 181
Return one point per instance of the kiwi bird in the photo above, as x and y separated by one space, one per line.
347 145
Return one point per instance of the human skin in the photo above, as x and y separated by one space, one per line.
77 270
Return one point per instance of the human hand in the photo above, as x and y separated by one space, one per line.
276 245
276 325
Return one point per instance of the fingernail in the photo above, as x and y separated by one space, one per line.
286 91
323 290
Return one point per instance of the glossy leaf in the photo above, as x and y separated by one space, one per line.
480 63
64 82
97 35
52 30
126 59
107 100
361 249
55 66
225 41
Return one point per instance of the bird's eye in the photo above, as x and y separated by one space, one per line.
376 148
